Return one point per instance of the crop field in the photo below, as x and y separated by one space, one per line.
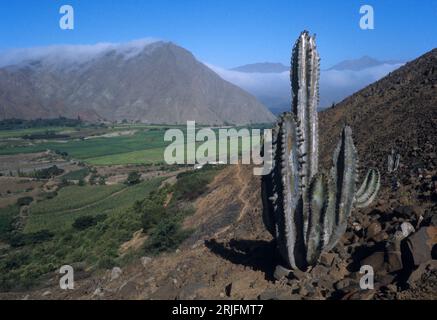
72 202
143 144
5 134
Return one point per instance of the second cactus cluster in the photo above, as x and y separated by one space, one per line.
304 209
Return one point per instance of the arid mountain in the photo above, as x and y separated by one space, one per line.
156 83
398 111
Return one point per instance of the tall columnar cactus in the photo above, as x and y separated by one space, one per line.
393 161
307 211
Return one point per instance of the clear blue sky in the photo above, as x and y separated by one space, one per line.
228 33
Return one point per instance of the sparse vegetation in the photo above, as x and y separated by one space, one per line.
48 173
192 184
86 222
166 236
54 237
18 124
77 175
24 201
7 218
133 178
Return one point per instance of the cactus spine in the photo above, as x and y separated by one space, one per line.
307 211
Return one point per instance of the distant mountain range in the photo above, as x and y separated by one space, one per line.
151 82
270 82
265 67
362 63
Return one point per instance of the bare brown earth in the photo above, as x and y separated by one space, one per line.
34 161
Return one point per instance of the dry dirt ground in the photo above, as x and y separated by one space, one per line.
33 161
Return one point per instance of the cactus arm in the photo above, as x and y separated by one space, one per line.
363 185
398 160
318 205
390 163
393 161
305 81
329 219
289 167
369 189
343 176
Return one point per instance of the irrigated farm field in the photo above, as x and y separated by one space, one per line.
127 144
75 201
76 194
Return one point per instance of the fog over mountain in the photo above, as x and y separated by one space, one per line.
145 80
336 83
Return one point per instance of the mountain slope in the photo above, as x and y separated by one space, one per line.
397 111
159 83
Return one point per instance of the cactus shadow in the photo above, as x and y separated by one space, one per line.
259 255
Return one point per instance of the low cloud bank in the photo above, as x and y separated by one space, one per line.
71 53
335 85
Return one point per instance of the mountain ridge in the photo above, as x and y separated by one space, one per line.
262 67
362 63
161 83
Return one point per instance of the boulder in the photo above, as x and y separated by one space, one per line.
116 273
417 274
327 258
99 292
375 260
407 229
421 243
145 261
128 289
394 256
281 272
373 229
404 212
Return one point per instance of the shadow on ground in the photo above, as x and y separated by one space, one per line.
256 254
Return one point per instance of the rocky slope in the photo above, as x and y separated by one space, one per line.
154 83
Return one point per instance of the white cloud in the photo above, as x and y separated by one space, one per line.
334 85
71 53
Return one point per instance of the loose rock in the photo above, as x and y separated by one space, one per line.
145 261
116 273
407 229
421 243
281 272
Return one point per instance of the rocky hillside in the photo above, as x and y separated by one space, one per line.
399 111
155 83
